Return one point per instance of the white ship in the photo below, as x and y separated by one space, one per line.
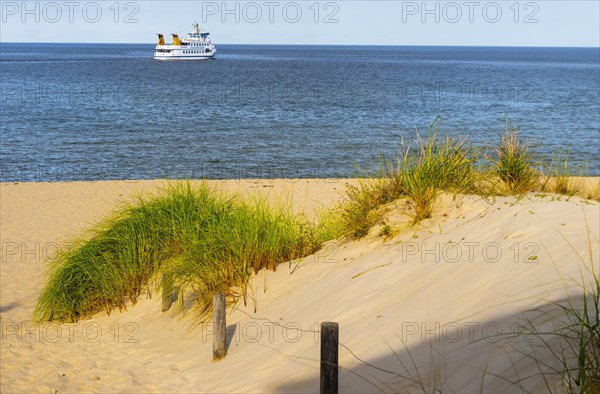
196 46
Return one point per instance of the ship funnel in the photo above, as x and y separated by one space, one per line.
161 39
176 39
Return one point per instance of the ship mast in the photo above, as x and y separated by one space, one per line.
196 27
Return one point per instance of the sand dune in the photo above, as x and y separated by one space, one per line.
450 294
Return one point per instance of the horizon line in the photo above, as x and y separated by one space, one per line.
305 44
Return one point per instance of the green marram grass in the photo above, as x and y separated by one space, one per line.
562 176
424 168
436 165
427 166
360 210
514 162
206 241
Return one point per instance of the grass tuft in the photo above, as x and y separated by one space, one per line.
207 243
419 173
361 209
514 162
435 166
562 176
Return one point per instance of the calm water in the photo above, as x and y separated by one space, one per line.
89 112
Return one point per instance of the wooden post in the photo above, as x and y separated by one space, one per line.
219 327
167 291
329 357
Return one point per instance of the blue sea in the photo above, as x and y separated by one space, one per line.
104 111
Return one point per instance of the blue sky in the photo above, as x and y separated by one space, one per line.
488 23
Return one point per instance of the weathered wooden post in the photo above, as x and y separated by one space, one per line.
167 291
219 327
329 357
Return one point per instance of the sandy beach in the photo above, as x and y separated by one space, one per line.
439 305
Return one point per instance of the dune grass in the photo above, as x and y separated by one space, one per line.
424 168
436 166
580 338
514 162
428 166
561 176
206 241
361 208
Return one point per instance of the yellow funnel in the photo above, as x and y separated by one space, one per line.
176 40
161 39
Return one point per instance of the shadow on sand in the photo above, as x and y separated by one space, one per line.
509 354
8 307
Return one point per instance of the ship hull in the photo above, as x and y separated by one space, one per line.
192 51
162 57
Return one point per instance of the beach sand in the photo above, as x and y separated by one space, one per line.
446 296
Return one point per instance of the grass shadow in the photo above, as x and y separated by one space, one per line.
8 307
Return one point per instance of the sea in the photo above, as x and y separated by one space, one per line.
88 112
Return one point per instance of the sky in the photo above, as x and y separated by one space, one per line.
471 23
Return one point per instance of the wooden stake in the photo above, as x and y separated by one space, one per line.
329 357
219 327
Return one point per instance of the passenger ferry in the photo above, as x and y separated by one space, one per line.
196 46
